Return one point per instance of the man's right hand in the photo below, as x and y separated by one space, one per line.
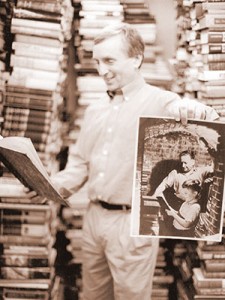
34 197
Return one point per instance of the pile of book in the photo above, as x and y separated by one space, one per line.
208 278
72 218
182 57
27 230
27 256
211 71
91 18
199 269
200 58
184 259
35 90
163 278
154 68
6 11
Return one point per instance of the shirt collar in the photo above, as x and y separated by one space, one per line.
130 89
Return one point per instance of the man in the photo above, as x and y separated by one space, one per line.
115 265
176 179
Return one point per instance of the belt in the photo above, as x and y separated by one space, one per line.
110 206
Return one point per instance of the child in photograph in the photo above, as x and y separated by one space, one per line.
186 218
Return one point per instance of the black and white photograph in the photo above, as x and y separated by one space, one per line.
179 179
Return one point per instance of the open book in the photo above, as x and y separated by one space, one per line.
20 157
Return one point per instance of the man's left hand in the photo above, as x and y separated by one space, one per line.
188 109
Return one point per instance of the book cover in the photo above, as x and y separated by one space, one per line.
20 157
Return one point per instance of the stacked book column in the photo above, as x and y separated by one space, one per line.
34 98
200 70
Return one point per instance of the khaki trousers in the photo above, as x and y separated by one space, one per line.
115 265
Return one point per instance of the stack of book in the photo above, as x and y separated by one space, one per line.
163 279
183 85
73 220
27 256
200 54
208 278
35 90
92 17
211 72
154 68
184 259
6 11
33 100
27 230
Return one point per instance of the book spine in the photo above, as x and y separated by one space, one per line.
216 37
211 75
24 90
31 113
35 24
214 66
36 31
24 230
40 6
22 219
214 57
212 21
44 41
25 126
28 14
25 273
213 266
22 119
29 102
214 283
24 294
23 261
37 137
215 48
34 63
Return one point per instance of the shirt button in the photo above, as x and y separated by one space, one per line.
101 174
115 107
109 130
126 98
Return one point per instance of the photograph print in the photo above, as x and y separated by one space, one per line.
178 186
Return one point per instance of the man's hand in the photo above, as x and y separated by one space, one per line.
188 109
34 197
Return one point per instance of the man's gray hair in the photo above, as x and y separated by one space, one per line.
132 38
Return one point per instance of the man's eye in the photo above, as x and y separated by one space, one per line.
109 61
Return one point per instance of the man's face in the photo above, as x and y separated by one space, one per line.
187 163
114 64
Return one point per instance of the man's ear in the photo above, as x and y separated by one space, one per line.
138 61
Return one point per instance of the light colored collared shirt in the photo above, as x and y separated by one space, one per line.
190 212
105 151
176 179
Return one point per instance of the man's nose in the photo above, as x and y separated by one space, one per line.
102 69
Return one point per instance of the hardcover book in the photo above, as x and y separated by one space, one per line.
20 157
